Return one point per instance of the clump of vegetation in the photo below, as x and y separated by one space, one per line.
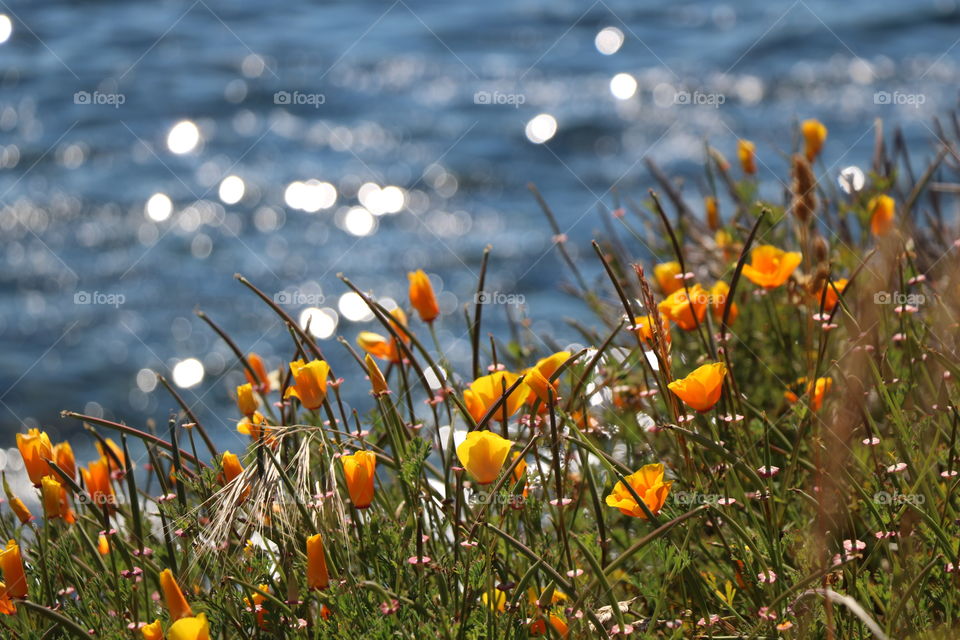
759 441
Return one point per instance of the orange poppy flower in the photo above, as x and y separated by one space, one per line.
96 477
254 426
385 347
262 380
718 298
377 382
54 498
359 470
701 388
815 391
422 297
7 607
310 382
882 210
770 267
713 212
539 626
35 449
829 297
666 274
317 576
537 378
112 454
63 456
644 328
746 152
649 486
814 135
173 596
686 311
247 402
14 576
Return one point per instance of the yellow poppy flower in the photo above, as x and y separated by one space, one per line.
190 629
537 377
483 453
484 392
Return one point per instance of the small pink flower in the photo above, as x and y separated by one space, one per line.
627 630
851 545
574 573
725 501
768 576
897 468
389 608
952 473
766 614
414 560
708 622
871 442
768 472
785 625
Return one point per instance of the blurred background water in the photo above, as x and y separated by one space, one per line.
150 150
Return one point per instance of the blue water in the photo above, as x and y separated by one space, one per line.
398 82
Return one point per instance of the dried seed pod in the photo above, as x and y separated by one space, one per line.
804 189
